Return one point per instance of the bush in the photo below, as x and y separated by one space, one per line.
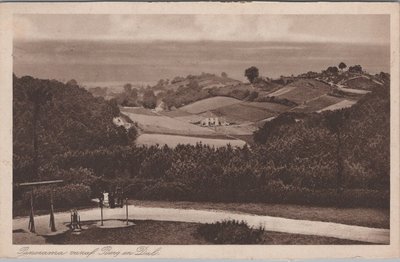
231 232
277 100
253 95
276 192
166 191
79 175
73 195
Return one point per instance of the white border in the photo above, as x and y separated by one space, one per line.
7 249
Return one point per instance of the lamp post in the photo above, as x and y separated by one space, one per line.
101 209
52 223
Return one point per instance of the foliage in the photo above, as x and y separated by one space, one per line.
98 91
231 232
251 73
72 195
332 70
238 92
359 135
203 173
277 100
355 69
185 95
253 95
342 66
149 99
72 120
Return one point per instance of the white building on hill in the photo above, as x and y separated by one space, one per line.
210 121
213 121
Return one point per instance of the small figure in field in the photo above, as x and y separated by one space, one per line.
105 199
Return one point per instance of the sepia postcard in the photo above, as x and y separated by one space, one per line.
199 130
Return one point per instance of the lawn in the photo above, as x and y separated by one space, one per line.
149 232
369 217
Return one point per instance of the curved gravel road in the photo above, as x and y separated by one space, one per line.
277 224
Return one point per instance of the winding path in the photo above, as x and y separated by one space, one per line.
277 224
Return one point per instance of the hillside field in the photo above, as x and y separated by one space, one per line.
205 81
209 104
166 125
244 117
174 140
282 91
244 112
317 104
362 83
302 91
339 105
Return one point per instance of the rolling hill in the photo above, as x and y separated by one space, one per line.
362 82
204 80
304 90
317 104
244 107
208 104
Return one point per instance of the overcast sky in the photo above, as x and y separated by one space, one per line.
372 29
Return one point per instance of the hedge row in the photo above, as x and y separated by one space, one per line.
271 193
73 195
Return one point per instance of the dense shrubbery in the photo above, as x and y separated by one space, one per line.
71 195
231 232
129 97
71 120
202 173
185 95
240 92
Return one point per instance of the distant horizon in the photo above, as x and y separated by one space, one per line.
103 48
98 62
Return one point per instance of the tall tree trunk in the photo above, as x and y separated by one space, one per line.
35 142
